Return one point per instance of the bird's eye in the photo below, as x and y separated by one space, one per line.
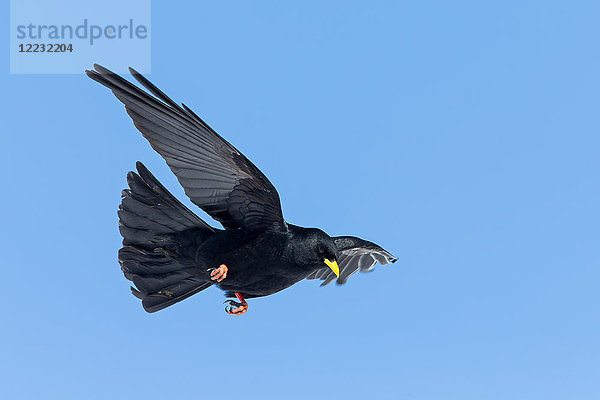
320 249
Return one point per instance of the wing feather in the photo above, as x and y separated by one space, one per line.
214 174
354 255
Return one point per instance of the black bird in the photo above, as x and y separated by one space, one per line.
170 254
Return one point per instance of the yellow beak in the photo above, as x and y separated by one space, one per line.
334 267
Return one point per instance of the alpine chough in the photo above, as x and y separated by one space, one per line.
169 253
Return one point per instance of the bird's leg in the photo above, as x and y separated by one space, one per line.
236 308
233 307
218 274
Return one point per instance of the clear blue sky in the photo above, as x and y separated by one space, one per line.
462 136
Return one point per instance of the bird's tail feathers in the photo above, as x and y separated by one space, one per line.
149 220
148 210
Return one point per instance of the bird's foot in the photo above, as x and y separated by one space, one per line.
218 274
235 308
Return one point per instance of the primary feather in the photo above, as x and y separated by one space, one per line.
214 174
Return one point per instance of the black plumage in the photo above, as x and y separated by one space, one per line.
170 254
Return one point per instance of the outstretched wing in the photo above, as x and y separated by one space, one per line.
215 175
354 254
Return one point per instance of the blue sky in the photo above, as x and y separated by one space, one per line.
462 136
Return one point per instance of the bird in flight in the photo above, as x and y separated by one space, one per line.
170 254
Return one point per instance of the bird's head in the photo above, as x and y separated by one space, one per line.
316 249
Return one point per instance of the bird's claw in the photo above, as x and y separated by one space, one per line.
235 308
218 274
